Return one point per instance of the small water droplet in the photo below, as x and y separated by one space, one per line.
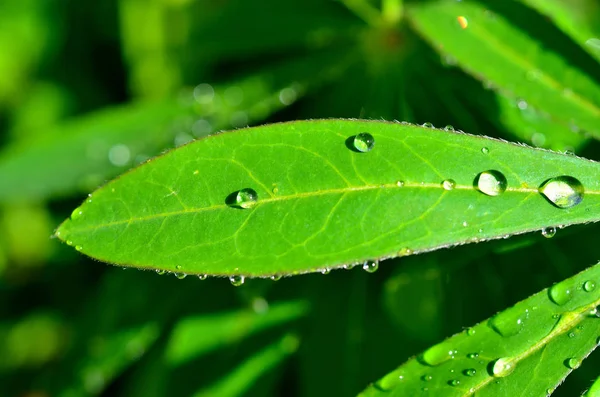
470 372
589 286
160 272
400 183
178 267
502 367
69 242
326 271
428 125
549 232
438 354
349 266
405 251
560 293
427 378
275 190
246 198
572 363
509 322
78 247
571 334
522 104
203 276
276 277
485 150
449 184
563 191
77 212
371 266
472 355
470 331
448 128
491 183
454 382
364 142
180 276
236 281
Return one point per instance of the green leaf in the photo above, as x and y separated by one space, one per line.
320 202
580 19
594 390
237 382
526 350
520 64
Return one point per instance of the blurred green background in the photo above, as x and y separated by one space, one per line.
91 89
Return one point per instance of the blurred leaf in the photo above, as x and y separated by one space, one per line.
519 64
237 382
194 336
422 189
526 350
594 390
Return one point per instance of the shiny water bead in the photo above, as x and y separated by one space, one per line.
502 367
449 184
180 276
589 286
485 150
203 276
563 191
572 363
371 266
491 183
160 272
470 372
237 281
364 142
549 232
246 198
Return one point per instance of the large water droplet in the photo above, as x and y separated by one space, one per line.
391 380
563 191
492 183
549 232
509 322
572 363
77 212
371 266
364 142
560 293
502 367
246 198
236 281
449 184
438 354
589 286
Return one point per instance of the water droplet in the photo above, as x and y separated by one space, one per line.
391 380
438 354
203 276
470 372
236 281
492 183
472 355
589 286
509 322
560 293
364 142
326 271
571 334
485 150
428 125
276 277
400 183
246 198
371 266
180 276
470 331
563 191
178 267
77 212
275 190
449 184
427 378
78 247
549 232
549 391
349 266
405 251
502 367
160 272
572 363
448 128
69 242
522 104
454 382
465 224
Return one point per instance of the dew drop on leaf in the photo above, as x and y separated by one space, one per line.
391 380
427 378
237 281
572 363
470 331
405 251
371 266
276 277
563 191
470 372
438 354
203 276
400 183
454 382
77 212
326 271
160 272
428 125
178 267
589 286
78 247
549 232
448 128
472 355
502 367
449 184
491 183
246 198
180 276
509 322
485 150
560 293
364 142
571 334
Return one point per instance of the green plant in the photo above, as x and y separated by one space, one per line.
403 200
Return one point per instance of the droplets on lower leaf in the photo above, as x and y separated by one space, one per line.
572 363
448 184
549 232
510 322
454 382
364 142
246 198
438 354
501 367
560 293
77 212
491 183
470 372
563 191
589 286
371 266
237 281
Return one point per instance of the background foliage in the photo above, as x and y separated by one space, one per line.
88 90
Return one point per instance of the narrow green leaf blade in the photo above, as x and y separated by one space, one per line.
322 203
594 390
526 350
508 58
